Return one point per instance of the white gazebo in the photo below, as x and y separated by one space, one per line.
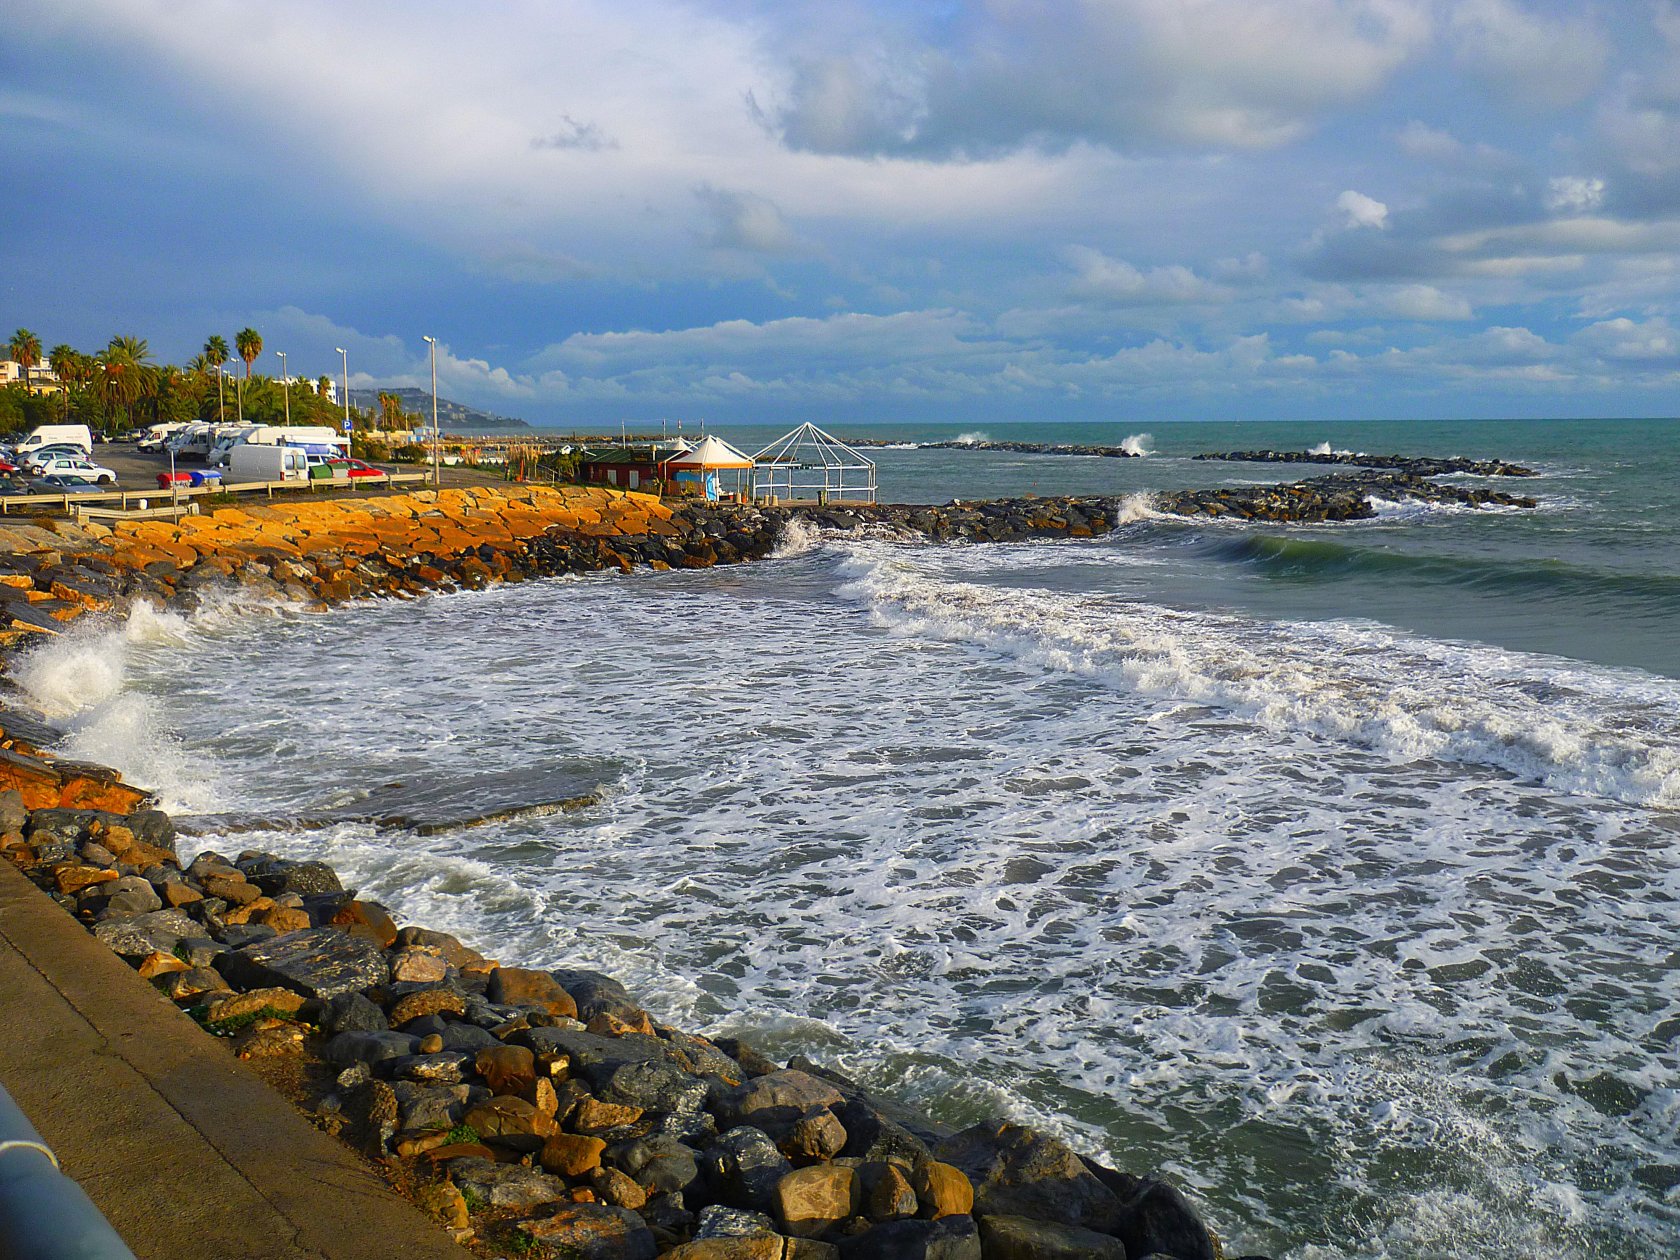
699 468
809 463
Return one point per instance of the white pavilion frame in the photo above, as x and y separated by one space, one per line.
808 459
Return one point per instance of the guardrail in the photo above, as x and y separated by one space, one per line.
43 1214
177 494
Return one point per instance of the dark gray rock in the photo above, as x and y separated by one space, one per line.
241 935
589 1053
718 1221
157 931
277 876
872 1136
1020 1172
596 994
742 1168
429 1106
369 1047
1160 1219
950 1238
316 962
1018 1238
128 896
661 1162
352 1012
505 1185
447 1068
468 1037
650 1086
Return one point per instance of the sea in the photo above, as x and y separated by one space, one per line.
1332 871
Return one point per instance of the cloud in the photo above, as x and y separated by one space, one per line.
1362 211
573 134
746 222
1425 302
1126 74
1535 61
1113 281
1654 342
1571 194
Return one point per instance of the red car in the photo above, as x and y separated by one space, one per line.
358 468
7 468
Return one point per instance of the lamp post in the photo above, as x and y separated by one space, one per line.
285 384
221 397
437 476
349 445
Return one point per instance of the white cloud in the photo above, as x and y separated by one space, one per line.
1424 302
1536 61
1654 341
1362 211
745 221
1099 278
1572 194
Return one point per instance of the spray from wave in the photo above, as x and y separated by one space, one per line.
1572 730
969 439
1138 444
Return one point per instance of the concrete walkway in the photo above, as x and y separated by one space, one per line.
187 1152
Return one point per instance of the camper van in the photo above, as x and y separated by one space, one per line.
154 437
228 437
256 461
191 441
55 435
322 438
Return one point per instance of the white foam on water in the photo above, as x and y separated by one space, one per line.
1197 892
1138 444
968 439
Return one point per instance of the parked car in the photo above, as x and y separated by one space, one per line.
76 466
31 461
357 468
7 468
62 482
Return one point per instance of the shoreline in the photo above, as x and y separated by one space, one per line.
303 973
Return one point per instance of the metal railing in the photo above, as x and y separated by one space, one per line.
65 502
43 1214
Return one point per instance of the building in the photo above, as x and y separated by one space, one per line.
42 380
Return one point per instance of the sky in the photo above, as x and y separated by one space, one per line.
1087 210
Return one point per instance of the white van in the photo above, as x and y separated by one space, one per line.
194 439
53 434
255 461
153 438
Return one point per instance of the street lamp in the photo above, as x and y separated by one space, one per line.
286 384
436 475
348 441
221 397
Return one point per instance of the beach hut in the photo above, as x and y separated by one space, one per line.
700 470
808 463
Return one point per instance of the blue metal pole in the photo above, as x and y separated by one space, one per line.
43 1214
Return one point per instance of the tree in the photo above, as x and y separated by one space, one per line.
70 368
123 375
216 350
249 343
26 349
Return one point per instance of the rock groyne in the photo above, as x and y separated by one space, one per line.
1018 448
1414 465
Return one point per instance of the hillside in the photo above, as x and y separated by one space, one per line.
451 415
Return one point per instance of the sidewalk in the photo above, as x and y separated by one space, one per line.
187 1152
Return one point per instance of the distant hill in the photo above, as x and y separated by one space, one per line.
451 415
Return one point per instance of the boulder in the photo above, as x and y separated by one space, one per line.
370 1047
814 1137
718 1221
317 962
812 1201
888 1195
508 1070
660 1164
522 986
426 1002
775 1102
651 1086
594 1231
1157 1218
954 1238
511 1122
743 1168
352 1012
1018 1238
942 1190
158 931
1020 1172
569 1155
505 1185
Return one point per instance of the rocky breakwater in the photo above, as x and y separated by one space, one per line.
1018 448
1415 465
541 1110
1340 497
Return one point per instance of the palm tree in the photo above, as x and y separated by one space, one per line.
26 349
215 349
123 373
70 368
248 341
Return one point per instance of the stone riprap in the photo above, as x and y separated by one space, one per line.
1016 448
541 1109
1417 465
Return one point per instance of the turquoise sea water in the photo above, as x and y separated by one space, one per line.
1331 869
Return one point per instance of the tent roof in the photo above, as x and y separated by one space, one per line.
810 447
712 453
